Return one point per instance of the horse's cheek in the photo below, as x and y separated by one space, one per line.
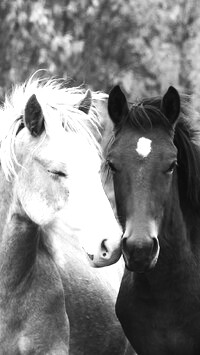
56 195
46 199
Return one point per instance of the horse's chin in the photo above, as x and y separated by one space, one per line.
92 261
89 257
139 268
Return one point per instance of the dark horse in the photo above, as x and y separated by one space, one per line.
155 160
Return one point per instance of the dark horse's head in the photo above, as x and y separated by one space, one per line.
150 148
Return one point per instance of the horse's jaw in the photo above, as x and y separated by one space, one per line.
63 243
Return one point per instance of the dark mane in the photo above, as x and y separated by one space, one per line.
147 115
187 139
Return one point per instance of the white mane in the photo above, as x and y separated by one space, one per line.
60 106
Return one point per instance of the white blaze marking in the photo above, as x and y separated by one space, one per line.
143 147
24 344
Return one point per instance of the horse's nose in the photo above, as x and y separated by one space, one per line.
109 253
105 251
140 254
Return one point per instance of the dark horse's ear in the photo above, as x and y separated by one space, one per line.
86 102
34 119
170 105
117 105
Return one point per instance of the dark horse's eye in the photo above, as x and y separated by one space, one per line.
111 166
172 167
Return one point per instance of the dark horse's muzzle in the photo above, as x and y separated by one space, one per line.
140 254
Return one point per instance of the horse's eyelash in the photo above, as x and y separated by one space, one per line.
59 173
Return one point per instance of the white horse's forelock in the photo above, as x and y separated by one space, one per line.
60 107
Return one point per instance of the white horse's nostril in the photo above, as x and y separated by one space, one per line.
104 249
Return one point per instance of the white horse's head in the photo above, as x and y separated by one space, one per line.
49 150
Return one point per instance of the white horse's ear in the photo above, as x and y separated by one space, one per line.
33 117
86 102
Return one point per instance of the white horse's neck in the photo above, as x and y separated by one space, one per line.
5 200
19 241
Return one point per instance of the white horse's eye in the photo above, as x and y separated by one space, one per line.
56 174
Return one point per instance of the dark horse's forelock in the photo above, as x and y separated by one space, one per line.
147 114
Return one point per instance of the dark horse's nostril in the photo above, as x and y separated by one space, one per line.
104 248
155 247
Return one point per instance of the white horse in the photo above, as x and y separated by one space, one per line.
52 208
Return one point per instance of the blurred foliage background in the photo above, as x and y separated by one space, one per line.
144 45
